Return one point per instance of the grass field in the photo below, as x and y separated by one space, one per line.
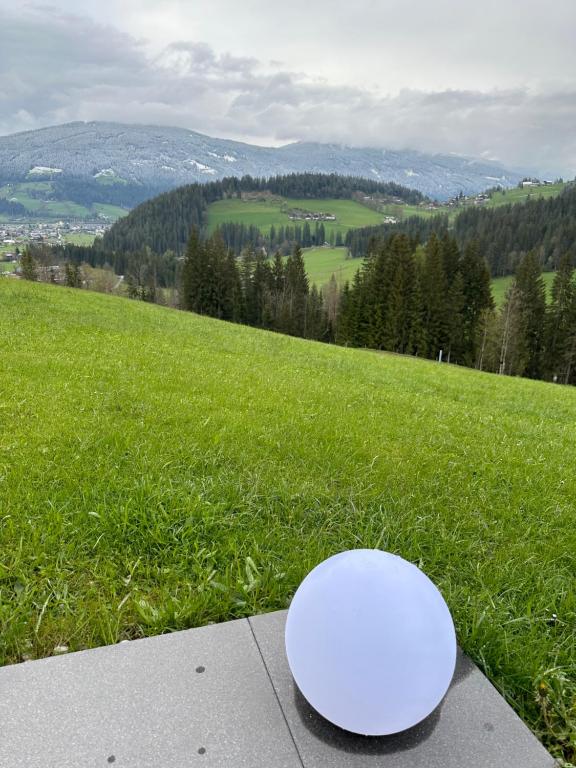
501 284
6 266
264 214
322 263
406 211
50 209
159 470
112 212
79 238
521 195
349 213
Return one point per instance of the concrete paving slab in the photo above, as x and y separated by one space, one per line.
472 728
196 698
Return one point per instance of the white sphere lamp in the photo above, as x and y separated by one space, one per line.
370 642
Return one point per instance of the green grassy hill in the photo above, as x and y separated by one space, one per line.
322 263
523 194
501 284
274 211
36 197
160 470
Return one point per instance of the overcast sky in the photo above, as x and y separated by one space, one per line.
494 79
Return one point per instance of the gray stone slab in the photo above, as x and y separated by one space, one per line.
196 698
472 728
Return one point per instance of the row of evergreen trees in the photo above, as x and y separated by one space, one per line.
433 301
239 237
251 290
416 301
504 234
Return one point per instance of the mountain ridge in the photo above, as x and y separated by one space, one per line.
167 157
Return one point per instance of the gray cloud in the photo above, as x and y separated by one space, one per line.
57 67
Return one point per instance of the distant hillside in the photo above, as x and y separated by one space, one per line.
164 223
142 160
504 232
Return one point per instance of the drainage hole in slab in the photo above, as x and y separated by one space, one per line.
202 751
200 669
111 759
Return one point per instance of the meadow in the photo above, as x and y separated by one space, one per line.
160 470
269 212
26 193
79 238
501 284
322 263
273 211
523 194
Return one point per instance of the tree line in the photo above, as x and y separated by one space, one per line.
164 222
238 236
505 234
272 294
432 301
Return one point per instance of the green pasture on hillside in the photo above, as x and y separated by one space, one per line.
112 212
523 194
26 193
160 470
405 211
501 284
322 263
274 212
79 238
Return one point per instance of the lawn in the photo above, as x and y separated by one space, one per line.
501 284
274 212
159 470
322 263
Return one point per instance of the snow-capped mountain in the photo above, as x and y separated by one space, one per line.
162 158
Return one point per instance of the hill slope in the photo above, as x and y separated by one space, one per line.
160 470
162 158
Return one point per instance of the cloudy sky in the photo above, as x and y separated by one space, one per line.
495 79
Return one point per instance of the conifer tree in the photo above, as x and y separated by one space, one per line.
477 290
315 319
456 303
561 324
532 307
193 274
511 338
296 293
345 332
450 257
434 298
72 275
28 266
261 287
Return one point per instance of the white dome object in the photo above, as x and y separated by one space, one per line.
370 642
